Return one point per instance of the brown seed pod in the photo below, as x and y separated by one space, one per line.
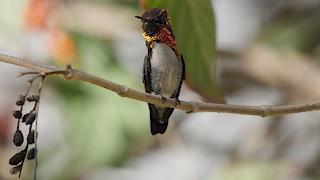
21 100
33 98
15 169
19 103
18 138
32 154
30 118
17 158
17 114
24 117
31 137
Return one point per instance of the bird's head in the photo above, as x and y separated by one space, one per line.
153 21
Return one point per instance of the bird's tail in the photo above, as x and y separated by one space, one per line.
159 119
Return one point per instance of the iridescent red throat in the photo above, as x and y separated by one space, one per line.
166 36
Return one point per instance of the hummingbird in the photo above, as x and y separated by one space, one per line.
163 68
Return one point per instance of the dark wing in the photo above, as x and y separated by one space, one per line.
147 70
183 69
146 74
177 91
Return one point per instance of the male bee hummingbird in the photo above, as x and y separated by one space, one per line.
163 69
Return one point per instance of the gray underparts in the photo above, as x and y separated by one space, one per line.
166 70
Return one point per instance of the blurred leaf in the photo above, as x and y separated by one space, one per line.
293 33
62 47
194 27
251 170
10 23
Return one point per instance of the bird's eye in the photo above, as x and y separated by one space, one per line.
161 21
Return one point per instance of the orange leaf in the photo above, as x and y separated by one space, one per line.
62 47
36 13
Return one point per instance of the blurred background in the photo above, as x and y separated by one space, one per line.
267 54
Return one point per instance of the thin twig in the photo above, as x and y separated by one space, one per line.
27 73
124 91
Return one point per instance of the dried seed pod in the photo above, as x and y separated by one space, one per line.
21 100
19 103
32 154
31 137
33 98
17 114
16 169
18 138
17 158
30 118
24 117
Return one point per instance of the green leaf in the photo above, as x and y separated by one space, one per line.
194 27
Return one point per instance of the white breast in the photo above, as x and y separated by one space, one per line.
166 69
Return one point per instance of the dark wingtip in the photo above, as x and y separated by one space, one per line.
154 133
159 128
155 126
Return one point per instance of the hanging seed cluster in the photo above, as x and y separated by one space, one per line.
28 119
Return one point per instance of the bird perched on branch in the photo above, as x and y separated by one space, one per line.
164 69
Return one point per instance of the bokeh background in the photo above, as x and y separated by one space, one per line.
267 54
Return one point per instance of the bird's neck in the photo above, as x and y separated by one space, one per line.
164 35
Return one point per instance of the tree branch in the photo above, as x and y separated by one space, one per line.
124 91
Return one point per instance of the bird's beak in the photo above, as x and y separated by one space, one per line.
141 18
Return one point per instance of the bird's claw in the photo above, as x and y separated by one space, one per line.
163 99
176 101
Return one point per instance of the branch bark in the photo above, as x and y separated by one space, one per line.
124 91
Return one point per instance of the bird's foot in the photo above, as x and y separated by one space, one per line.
176 101
162 98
